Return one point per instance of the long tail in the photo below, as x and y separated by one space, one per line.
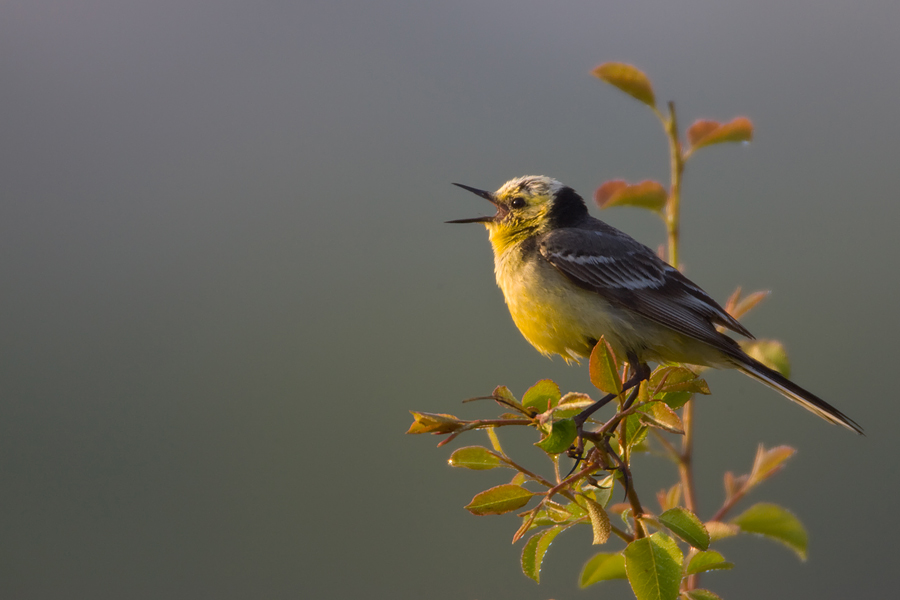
792 391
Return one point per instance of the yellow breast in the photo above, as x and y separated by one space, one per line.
554 315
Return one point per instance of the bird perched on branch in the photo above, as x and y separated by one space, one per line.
569 279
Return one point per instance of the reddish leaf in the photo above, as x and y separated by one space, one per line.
607 190
646 194
669 498
604 368
769 462
738 307
736 130
700 129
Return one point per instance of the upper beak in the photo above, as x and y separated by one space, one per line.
487 196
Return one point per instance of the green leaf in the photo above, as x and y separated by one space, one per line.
599 522
604 368
557 512
576 510
578 402
687 526
603 492
646 194
535 549
502 393
658 414
495 441
518 479
499 500
675 400
770 353
544 544
653 565
529 556
774 522
543 395
629 79
434 423
635 431
706 133
560 438
700 595
677 379
602 567
477 458
709 560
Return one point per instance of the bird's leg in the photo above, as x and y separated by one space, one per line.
620 466
641 371
578 451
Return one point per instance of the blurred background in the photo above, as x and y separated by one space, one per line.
226 280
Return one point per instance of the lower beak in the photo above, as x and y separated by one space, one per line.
487 196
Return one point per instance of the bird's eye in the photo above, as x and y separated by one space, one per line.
517 203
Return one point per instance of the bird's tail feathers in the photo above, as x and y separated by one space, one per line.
792 391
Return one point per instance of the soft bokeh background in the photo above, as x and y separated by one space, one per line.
226 279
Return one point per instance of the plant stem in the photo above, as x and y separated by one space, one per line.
729 504
673 216
686 459
673 205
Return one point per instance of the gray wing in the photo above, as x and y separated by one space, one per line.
624 271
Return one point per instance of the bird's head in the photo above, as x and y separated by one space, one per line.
527 206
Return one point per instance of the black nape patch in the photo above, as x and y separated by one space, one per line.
567 210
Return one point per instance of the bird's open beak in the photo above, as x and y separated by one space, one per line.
487 196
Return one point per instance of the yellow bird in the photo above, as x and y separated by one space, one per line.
569 278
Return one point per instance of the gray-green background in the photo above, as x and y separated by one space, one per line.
226 279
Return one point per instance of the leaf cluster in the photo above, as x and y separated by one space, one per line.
661 550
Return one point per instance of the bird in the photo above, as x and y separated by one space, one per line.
569 278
